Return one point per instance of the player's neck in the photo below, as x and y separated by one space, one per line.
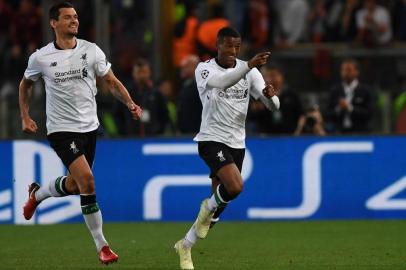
224 65
65 43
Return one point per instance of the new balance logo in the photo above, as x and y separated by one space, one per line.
73 147
53 64
220 155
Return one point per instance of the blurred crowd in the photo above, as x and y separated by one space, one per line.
285 23
171 103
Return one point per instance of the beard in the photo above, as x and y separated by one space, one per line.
72 33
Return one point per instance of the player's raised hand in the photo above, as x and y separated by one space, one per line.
135 110
29 126
259 60
269 91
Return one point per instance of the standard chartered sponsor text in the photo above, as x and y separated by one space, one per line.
61 76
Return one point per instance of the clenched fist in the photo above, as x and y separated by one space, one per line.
269 91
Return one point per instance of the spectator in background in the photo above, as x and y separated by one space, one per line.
311 123
259 29
166 89
373 24
351 104
13 65
235 11
189 106
142 91
317 21
291 25
333 20
184 40
207 32
26 26
348 29
5 18
283 121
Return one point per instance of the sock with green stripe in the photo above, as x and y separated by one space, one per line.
217 200
55 188
93 218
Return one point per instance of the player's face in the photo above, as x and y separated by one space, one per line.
142 74
349 71
228 50
68 22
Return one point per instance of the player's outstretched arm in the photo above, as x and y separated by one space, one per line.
120 92
228 79
24 97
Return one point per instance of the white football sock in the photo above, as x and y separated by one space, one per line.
52 189
94 223
212 204
190 238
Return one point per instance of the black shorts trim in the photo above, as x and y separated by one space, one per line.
216 155
71 145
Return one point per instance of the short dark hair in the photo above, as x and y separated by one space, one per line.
227 32
351 61
141 62
274 68
54 10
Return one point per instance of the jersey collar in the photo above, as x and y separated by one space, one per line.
218 63
59 48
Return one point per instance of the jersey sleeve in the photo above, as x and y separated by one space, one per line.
257 83
33 71
203 73
101 65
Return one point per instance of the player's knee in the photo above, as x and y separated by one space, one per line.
235 189
88 186
71 186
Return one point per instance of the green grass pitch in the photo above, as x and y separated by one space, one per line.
281 245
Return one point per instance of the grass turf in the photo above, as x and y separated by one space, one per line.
230 245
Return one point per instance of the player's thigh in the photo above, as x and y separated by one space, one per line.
238 156
215 155
82 174
67 145
89 146
219 158
230 177
74 149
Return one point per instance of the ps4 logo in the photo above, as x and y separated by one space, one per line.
35 160
312 181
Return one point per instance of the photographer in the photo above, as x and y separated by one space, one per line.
311 123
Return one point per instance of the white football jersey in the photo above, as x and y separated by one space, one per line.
70 84
225 110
